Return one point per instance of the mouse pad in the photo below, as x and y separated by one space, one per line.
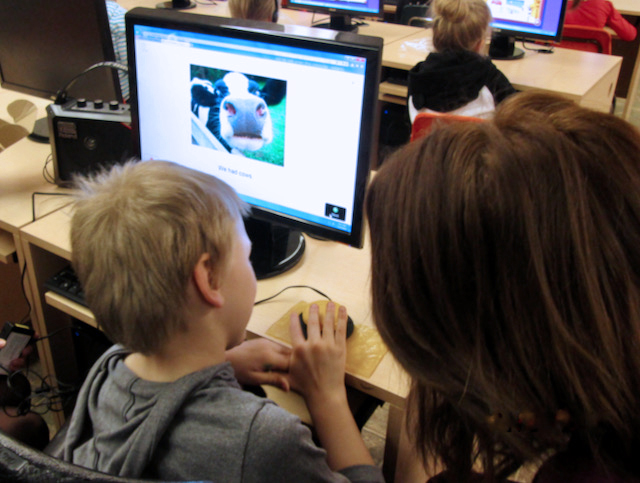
365 348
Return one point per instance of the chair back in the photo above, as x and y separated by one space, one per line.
415 14
20 463
589 39
424 121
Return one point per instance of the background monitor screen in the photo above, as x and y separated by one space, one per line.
527 19
46 43
340 11
286 115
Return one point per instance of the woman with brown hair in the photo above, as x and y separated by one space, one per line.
506 281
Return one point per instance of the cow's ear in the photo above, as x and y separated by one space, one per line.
274 91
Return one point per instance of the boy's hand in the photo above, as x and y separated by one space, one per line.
19 362
318 363
317 370
260 361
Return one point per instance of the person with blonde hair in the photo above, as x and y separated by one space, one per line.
163 258
457 77
506 282
263 10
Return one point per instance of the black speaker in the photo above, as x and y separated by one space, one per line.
87 136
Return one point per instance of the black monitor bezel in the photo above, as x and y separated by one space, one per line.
333 11
107 80
364 46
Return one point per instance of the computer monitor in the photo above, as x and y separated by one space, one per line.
286 115
524 20
340 11
44 44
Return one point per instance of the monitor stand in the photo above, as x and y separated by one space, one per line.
341 23
40 131
275 249
503 47
177 4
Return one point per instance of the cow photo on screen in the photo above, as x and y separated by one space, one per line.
238 113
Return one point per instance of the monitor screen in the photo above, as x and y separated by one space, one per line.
527 19
46 43
340 11
286 115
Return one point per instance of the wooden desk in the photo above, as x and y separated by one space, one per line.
587 78
21 166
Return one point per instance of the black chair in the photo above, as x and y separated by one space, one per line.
413 12
20 463
416 15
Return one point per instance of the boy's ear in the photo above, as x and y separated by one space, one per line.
207 281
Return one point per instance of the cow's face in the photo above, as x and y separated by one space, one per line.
245 121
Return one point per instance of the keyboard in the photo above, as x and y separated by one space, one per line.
66 283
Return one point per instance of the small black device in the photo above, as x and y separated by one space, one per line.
88 135
18 337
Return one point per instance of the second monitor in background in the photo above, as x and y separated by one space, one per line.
339 11
524 20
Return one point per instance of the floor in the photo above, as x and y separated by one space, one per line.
634 118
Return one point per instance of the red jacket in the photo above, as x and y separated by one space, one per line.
599 13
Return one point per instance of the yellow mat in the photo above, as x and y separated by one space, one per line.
365 348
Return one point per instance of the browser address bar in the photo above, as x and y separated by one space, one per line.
257 50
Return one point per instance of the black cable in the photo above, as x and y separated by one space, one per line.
61 96
548 50
55 332
48 177
24 294
292 286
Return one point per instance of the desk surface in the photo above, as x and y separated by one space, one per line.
21 166
627 7
572 73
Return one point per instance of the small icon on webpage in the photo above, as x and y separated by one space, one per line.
336 212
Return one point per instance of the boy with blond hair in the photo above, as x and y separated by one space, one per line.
163 256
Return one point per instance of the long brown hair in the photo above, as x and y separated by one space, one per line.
506 281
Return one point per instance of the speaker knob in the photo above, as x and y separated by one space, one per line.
98 103
114 105
81 103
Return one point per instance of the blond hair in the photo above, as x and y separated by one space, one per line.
253 9
137 233
459 24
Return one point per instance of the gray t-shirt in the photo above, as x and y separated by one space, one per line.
202 426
